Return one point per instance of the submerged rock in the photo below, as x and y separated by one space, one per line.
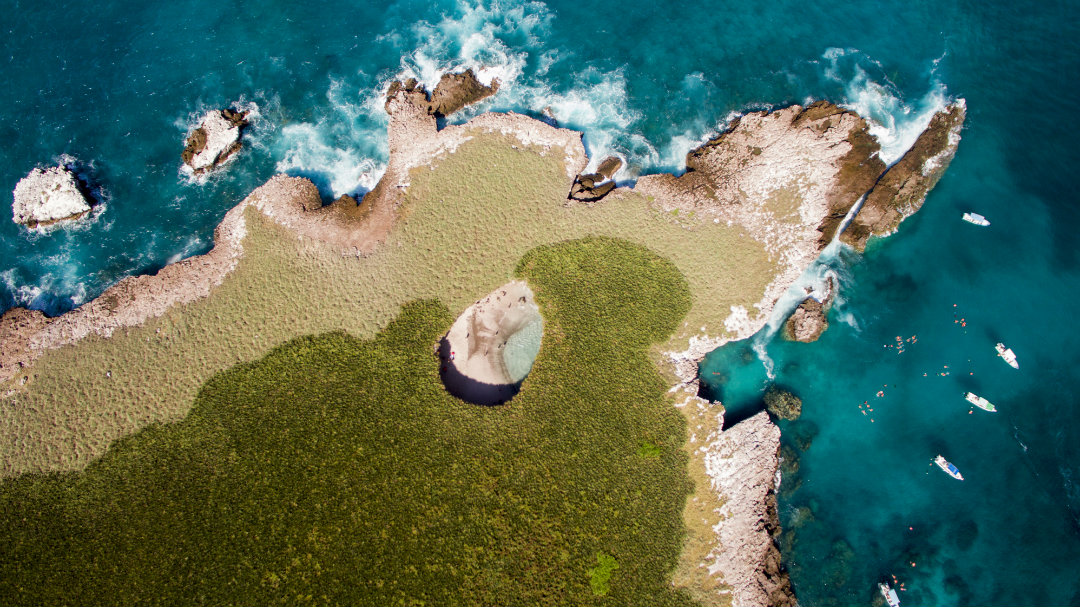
47 196
214 141
454 92
591 187
903 188
782 403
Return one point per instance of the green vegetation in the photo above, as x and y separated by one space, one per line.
467 222
336 470
647 449
600 576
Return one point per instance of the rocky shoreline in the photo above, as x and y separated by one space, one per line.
786 177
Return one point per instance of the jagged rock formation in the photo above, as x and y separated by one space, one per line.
47 196
903 188
810 318
591 187
782 403
214 141
807 322
784 177
742 462
454 92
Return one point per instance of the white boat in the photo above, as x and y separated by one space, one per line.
1007 355
889 594
976 219
980 402
949 469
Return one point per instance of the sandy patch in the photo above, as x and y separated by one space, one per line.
476 344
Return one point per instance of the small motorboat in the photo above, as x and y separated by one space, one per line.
949 469
976 219
889 594
1007 355
980 402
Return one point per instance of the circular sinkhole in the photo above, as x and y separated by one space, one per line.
491 347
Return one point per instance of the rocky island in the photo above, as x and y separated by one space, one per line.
214 140
755 207
48 196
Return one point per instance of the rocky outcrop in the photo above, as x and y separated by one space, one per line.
857 172
475 365
810 318
47 196
215 139
741 463
903 188
783 176
782 403
591 187
454 92
807 322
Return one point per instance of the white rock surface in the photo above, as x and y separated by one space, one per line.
741 463
48 195
221 135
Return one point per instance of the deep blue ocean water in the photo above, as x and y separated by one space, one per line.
114 88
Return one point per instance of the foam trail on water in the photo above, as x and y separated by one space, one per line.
893 122
821 280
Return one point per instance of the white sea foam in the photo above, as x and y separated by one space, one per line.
344 150
29 295
497 41
194 245
342 169
894 122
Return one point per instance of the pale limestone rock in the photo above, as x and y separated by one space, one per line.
47 196
216 138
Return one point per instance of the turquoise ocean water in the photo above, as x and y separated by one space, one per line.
114 88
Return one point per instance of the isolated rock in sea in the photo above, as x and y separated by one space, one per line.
782 403
807 322
47 196
903 188
453 92
216 138
810 318
591 187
